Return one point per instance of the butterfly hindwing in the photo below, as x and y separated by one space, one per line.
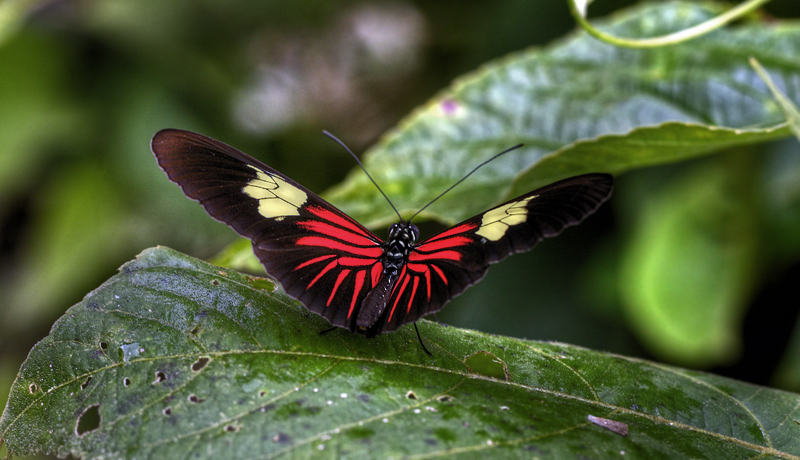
444 265
320 255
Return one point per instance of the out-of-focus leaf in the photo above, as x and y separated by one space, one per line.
674 103
688 271
789 109
35 107
175 357
239 256
779 203
72 225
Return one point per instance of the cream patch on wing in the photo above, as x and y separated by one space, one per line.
496 222
276 197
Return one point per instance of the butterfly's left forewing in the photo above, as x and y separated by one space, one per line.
320 255
445 265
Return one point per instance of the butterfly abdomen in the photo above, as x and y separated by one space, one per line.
375 302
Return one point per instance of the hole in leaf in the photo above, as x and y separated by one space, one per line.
262 393
200 363
445 398
264 284
103 345
126 381
86 382
33 388
89 420
195 329
160 377
487 364
195 399
215 282
167 411
411 395
232 428
130 351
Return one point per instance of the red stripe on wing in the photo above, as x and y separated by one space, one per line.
313 261
375 274
398 292
359 284
440 273
413 293
428 283
417 256
444 243
457 230
342 275
333 231
336 219
424 270
444 246
356 261
325 270
322 242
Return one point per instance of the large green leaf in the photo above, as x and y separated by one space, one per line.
176 358
638 107
690 266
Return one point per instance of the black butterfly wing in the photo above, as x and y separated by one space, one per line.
443 266
320 255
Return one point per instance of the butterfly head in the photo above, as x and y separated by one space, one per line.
405 232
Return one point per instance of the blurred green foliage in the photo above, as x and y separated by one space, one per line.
84 85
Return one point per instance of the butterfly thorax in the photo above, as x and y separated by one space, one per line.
396 249
402 238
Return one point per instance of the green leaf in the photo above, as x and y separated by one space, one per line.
789 109
174 357
689 269
637 107
239 256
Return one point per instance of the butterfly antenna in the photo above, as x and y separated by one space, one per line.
464 178
365 171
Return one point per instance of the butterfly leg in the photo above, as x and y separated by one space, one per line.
439 321
419 337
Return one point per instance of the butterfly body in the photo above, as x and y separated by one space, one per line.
341 270
396 250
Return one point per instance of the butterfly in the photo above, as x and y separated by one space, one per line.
337 267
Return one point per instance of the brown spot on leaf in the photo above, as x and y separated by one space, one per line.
611 425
